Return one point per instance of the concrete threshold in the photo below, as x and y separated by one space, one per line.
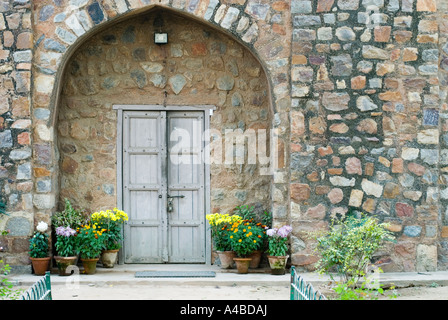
125 275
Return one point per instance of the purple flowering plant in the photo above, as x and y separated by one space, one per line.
65 241
278 240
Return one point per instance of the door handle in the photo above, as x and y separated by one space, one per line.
181 196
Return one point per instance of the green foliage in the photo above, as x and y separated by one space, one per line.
245 212
6 288
245 238
367 290
349 246
3 208
69 217
39 245
90 241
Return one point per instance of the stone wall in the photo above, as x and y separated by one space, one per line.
16 183
357 90
122 65
365 123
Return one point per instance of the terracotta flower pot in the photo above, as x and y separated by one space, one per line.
40 265
89 265
226 258
63 263
278 264
242 264
256 258
109 258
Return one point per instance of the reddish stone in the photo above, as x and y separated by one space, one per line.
404 210
417 169
303 259
390 96
324 151
23 138
41 172
358 82
280 6
69 165
317 212
324 5
402 36
199 49
353 166
335 171
397 165
335 195
382 33
426 5
24 40
300 191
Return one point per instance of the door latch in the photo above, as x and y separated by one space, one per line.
170 202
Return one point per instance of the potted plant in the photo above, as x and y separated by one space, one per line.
220 227
278 248
39 256
243 240
111 221
66 249
90 243
65 223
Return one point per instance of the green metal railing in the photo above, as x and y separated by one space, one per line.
41 290
300 290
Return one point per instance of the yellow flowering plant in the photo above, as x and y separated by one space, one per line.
111 221
245 237
90 240
220 226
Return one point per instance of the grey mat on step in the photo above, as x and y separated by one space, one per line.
175 274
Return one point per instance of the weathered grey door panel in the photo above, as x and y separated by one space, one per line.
186 223
162 153
144 154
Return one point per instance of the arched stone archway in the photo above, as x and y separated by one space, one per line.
117 63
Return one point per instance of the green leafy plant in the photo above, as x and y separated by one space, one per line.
278 240
349 245
69 217
111 221
6 287
245 212
245 237
39 242
65 241
220 225
3 208
90 241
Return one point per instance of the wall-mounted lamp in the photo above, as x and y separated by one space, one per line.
160 38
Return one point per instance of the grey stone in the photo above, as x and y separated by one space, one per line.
341 65
306 20
95 12
237 99
20 154
53 45
139 76
23 56
24 171
5 139
431 117
412 231
43 186
65 35
44 201
304 34
345 34
19 226
177 83
364 103
428 69
335 101
108 189
348 4
300 6
46 12
225 83
371 52
430 55
158 80
129 35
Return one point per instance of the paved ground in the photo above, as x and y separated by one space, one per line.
120 283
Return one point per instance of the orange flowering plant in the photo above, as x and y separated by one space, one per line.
245 237
90 241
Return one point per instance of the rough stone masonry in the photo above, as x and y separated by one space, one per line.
354 89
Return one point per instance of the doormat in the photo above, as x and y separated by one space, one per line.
175 274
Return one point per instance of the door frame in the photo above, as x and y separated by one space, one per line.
208 111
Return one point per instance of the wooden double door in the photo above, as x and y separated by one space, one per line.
163 186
